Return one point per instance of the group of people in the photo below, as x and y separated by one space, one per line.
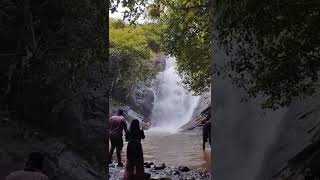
134 168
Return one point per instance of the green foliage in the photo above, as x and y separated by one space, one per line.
275 45
184 31
129 38
130 55
187 37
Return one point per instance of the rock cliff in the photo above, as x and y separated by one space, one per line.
201 111
296 148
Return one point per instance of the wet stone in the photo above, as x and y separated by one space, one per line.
147 175
165 178
176 172
171 173
184 168
148 164
159 168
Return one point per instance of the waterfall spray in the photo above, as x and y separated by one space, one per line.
173 105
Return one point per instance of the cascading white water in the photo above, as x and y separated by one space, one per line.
173 105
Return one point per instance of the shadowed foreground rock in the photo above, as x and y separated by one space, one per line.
62 162
296 151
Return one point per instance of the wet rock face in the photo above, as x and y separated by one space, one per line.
129 113
161 59
143 97
204 103
296 151
201 111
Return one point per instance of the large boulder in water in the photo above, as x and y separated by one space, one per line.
143 97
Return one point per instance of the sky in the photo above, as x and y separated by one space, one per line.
119 15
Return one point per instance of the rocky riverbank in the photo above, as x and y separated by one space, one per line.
158 171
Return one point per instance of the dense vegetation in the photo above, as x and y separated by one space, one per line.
274 45
131 51
277 47
43 61
46 48
184 31
187 37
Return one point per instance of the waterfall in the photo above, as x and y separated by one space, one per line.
173 105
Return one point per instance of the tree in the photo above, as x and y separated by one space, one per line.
275 45
134 8
48 47
185 35
130 56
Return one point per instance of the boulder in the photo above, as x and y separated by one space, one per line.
163 166
142 98
60 163
183 168
147 176
200 112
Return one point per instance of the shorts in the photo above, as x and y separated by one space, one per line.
117 142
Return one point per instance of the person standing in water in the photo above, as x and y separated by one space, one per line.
117 124
134 169
32 170
206 133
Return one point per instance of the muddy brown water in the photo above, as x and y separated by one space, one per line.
175 149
